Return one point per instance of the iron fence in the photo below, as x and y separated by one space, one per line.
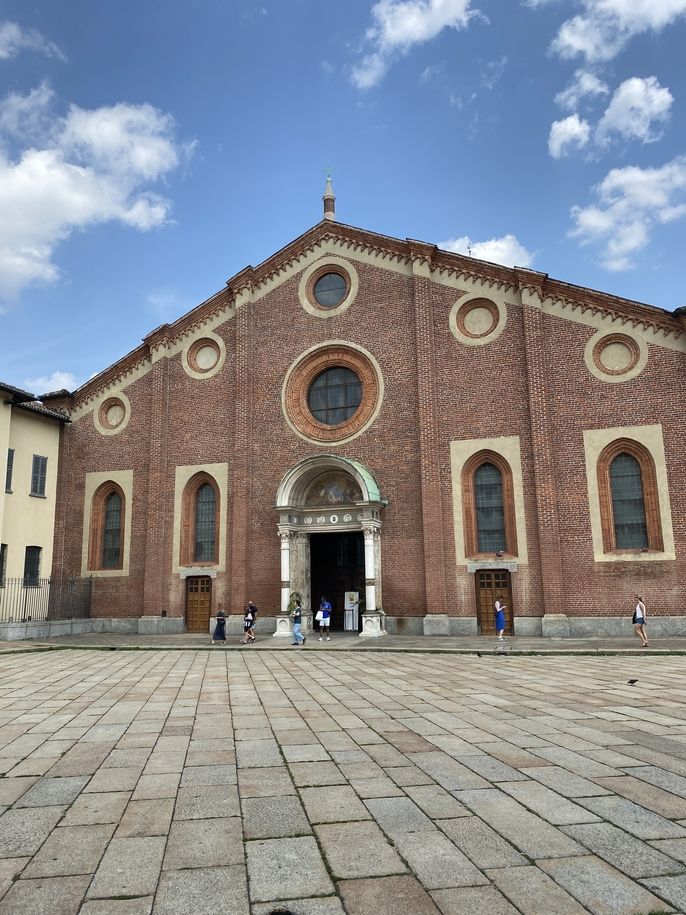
25 600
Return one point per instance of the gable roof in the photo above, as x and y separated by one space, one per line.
393 253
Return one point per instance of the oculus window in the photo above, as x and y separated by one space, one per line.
330 290
335 395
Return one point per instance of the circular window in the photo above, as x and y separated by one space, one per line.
477 321
203 355
112 415
615 357
328 287
334 396
616 354
332 393
330 290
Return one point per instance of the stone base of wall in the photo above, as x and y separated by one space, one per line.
404 625
463 625
528 626
50 629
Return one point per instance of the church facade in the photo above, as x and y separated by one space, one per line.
366 416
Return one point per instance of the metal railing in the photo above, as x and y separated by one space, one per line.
25 600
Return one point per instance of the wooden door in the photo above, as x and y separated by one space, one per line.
198 603
492 586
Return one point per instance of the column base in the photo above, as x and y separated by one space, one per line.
372 626
284 627
555 626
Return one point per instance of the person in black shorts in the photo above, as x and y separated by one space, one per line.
249 623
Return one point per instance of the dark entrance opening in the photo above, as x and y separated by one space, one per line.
336 566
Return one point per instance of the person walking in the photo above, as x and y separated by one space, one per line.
639 621
500 619
324 619
249 623
219 634
297 617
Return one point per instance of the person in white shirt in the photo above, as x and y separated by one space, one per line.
639 621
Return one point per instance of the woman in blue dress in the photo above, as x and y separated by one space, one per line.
500 619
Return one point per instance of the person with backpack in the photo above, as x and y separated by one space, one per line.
249 623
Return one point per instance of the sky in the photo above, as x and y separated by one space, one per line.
151 149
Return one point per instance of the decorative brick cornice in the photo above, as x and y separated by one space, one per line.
248 283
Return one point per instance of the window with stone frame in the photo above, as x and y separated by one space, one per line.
200 524
629 500
106 540
488 506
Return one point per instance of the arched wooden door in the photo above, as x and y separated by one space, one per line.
198 603
491 586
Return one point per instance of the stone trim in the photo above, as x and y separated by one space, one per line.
314 272
647 446
188 514
189 354
459 315
187 479
98 482
303 372
507 449
602 339
100 418
97 526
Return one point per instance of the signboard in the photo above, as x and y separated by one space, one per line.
351 615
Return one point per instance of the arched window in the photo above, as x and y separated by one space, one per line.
200 527
490 512
111 539
488 504
106 541
629 502
205 513
628 510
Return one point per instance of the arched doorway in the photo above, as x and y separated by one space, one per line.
329 524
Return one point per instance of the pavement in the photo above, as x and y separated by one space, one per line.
343 641
341 781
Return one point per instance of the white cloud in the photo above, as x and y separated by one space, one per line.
14 39
400 24
584 84
27 117
637 110
604 27
506 250
45 384
630 202
93 167
572 132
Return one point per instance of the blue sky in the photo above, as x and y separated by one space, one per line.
149 150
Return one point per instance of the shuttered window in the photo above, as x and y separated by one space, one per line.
10 466
38 472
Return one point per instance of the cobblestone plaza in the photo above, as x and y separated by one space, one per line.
328 782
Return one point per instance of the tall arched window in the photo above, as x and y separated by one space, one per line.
629 501
488 504
205 512
628 510
111 539
106 540
490 512
200 526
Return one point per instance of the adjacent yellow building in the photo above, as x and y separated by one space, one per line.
29 441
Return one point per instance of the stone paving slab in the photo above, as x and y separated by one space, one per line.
534 892
286 867
369 781
601 888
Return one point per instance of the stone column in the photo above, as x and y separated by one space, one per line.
285 569
369 569
372 622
